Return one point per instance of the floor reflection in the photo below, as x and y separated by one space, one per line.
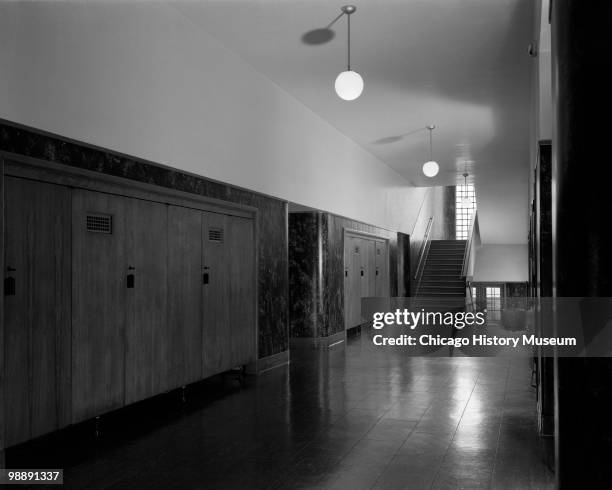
351 417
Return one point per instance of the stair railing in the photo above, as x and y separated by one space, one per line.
467 255
422 254
469 297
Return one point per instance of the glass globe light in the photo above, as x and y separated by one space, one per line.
431 168
349 85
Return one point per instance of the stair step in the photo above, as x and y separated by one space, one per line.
446 246
453 283
437 287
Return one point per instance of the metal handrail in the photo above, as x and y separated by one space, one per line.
468 247
422 254
424 245
468 287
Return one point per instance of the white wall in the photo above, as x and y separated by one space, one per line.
501 263
143 80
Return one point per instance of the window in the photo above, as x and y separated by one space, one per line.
493 303
464 213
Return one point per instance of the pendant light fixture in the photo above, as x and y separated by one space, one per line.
466 202
431 168
349 83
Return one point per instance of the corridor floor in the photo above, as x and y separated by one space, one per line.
350 417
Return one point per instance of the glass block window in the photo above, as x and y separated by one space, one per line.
493 303
464 213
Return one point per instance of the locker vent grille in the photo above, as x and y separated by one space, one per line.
99 223
215 234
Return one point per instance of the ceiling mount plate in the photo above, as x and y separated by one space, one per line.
349 9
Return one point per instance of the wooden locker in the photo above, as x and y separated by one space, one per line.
371 268
99 282
36 308
216 337
357 251
184 342
382 269
241 249
347 281
146 333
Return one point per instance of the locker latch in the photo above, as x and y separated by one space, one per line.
9 283
130 278
362 272
205 275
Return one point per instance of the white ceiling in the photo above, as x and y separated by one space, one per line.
459 64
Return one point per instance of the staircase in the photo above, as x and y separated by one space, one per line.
442 287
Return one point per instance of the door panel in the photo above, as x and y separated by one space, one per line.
37 323
98 302
242 289
146 301
382 277
216 339
371 268
356 282
348 277
184 327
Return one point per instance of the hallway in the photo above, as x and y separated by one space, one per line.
355 417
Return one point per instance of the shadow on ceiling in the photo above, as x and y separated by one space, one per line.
320 35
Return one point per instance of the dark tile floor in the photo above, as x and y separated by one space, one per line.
349 418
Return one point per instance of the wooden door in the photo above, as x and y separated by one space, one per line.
183 352
216 337
99 271
241 250
348 277
36 308
382 269
371 268
146 299
356 274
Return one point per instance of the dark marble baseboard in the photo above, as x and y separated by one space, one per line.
270 362
318 342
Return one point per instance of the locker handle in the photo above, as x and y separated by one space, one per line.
345 273
130 281
205 278
9 286
362 272
376 271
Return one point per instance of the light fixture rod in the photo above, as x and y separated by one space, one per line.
348 10
349 42
431 128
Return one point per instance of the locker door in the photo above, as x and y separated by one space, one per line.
348 277
364 246
216 337
37 301
146 299
183 354
382 276
99 271
241 249
371 268
356 282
